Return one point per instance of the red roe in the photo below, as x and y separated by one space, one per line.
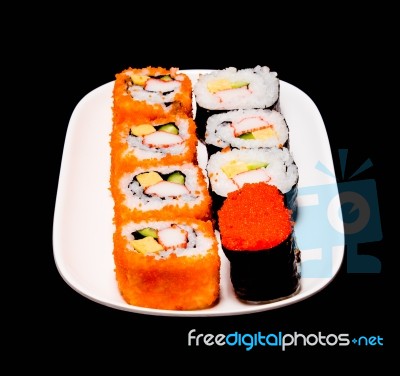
254 218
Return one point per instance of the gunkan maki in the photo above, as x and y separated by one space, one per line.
257 237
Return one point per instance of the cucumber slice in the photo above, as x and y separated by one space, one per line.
148 231
247 136
166 78
170 128
176 177
239 84
256 165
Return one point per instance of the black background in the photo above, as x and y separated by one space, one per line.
345 81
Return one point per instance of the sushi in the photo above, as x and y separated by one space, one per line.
164 246
261 247
233 89
170 139
161 191
252 128
170 207
143 94
229 169
170 264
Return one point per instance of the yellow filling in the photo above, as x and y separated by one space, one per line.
139 79
147 245
142 129
146 179
265 133
234 167
224 84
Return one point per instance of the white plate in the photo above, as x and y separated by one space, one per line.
83 228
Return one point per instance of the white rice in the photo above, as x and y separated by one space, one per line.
220 133
281 169
262 91
198 242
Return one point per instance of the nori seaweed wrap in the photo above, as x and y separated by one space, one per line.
257 237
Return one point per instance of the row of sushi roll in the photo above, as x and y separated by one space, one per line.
253 179
165 247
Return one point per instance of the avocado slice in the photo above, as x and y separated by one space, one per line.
148 231
170 128
238 84
247 136
176 177
256 165
166 78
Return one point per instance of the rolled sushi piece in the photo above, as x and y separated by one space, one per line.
234 89
161 191
258 239
171 139
168 265
228 170
142 94
246 129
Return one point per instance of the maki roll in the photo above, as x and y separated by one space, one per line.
171 139
143 94
229 169
246 129
258 239
234 89
167 264
161 191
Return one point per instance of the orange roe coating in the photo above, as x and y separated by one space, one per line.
254 218
126 108
123 156
178 283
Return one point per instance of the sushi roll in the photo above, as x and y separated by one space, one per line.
229 169
234 89
246 129
162 191
167 264
260 246
143 94
171 139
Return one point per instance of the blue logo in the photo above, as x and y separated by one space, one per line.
337 215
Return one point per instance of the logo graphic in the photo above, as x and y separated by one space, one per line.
346 213
280 340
